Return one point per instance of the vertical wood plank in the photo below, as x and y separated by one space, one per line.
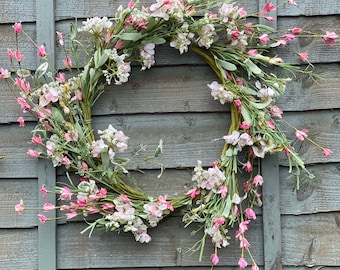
45 25
271 191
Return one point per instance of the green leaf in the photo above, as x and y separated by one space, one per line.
100 58
261 105
105 159
157 40
252 67
226 65
57 115
131 36
41 70
245 114
227 208
249 91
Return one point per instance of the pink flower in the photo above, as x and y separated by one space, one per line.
327 152
17 27
108 206
303 56
247 166
292 2
238 103
250 213
92 210
258 180
42 218
43 191
19 208
301 134
271 124
264 39
242 228
254 267
4 74
214 259
21 121
223 191
296 30
84 166
252 52
33 153
66 162
193 193
218 222
125 198
37 140
330 38
48 207
60 77
60 38
242 263
244 243
245 125
267 8
68 62
65 193
289 37
41 51
10 54
18 56
72 214
270 19
23 104
131 4
25 86
276 111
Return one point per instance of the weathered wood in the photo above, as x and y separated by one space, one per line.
184 89
187 137
11 192
109 249
14 145
303 243
12 11
45 26
317 195
311 240
18 249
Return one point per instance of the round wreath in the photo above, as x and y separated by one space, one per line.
237 50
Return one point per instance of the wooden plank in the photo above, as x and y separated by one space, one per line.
183 89
317 49
271 192
82 9
12 11
311 240
311 8
27 48
46 173
18 249
187 137
14 145
324 127
303 244
317 195
11 192
111 250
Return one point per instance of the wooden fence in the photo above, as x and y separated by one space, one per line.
295 229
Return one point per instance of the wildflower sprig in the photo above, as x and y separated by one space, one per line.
236 49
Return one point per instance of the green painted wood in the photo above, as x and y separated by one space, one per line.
45 26
271 190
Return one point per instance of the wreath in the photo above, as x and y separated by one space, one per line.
239 53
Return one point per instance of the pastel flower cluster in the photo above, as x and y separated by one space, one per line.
235 48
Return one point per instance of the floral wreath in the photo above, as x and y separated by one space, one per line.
237 50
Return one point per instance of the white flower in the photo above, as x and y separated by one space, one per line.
95 25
